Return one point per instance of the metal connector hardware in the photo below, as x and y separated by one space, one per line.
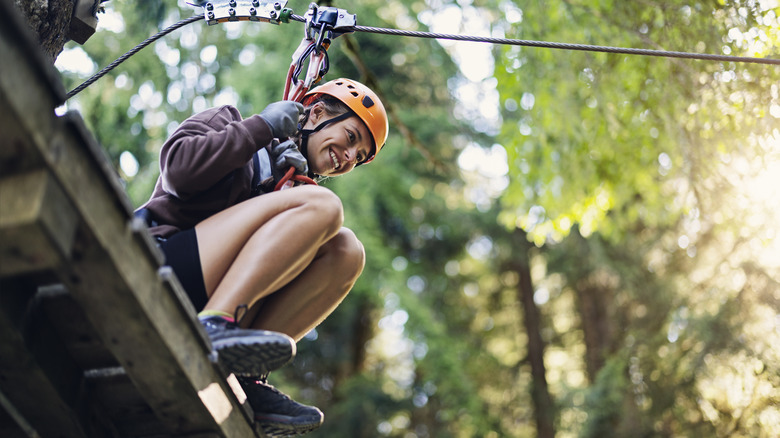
221 11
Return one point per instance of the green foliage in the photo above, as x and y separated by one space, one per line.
619 126
606 399
629 173
633 153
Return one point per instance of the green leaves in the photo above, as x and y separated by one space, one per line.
639 180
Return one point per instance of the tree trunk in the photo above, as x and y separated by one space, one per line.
49 20
595 288
363 332
544 411
594 301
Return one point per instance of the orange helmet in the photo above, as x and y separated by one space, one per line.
362 101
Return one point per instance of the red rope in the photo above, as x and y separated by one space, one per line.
287 82
304 179
289 177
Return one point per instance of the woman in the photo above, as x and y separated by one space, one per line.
282 259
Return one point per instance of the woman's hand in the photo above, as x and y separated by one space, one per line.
286 154
282 117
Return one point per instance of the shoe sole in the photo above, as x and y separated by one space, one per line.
252 357
274 427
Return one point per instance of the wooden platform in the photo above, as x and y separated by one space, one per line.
96 339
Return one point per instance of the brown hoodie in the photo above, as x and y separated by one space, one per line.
205 167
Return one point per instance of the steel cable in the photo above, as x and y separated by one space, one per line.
132 52
454 37
566 46
553 45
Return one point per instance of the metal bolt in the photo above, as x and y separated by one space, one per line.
277 6
252 11
233 3
255 3
232 11
211 15
209 7
273 14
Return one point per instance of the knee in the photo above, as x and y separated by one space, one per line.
325 206
347 254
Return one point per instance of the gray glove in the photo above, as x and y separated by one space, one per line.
286 154
282 118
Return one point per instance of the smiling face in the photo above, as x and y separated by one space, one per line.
339 147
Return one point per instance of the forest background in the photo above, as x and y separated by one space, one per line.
560 243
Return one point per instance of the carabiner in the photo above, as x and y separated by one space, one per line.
322 26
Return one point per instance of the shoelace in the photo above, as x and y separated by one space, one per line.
263 379
236 320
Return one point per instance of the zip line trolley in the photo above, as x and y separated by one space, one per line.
323 24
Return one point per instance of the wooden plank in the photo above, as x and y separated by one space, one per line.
146 241
37 223
15 155
163 384
110 275
38 371
125 408
171 283
38 400
50 318
133 338
12 423
156 337
76 333
29 92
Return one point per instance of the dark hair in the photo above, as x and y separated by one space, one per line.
332 106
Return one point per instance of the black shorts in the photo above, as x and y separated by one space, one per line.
181 254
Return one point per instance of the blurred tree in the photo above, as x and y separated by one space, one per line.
544 412
631 163
648 305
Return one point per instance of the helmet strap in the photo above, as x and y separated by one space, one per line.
306 132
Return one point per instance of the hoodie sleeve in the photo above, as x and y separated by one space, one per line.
207 147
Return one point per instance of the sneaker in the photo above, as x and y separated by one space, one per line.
247 352
276 413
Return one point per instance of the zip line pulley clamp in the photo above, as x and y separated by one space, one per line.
221 11
323 24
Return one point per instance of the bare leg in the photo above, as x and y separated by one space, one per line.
305 302
254 248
